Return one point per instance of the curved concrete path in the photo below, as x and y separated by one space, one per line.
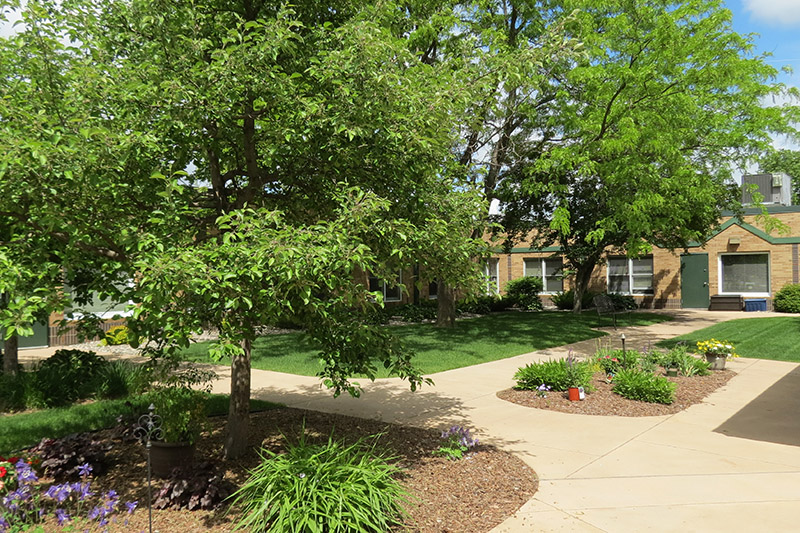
731 463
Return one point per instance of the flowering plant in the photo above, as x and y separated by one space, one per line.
715 347
457 441
542 391
8 470
32 502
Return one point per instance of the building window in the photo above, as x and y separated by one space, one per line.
490 270
391 293
630 276
107 309
744 274
548 270
433 290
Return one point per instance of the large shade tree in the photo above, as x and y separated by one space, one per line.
634 140
243 162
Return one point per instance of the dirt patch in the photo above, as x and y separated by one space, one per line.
471 495
604 402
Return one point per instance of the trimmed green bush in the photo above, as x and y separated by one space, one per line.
67 376
787 300
413 312
524 293
559 375
483 305
644 387
622 302
566 300
332 487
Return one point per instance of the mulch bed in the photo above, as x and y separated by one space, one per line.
602 401
474 494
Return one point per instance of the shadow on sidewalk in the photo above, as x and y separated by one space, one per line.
771 416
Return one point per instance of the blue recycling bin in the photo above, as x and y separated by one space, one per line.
755 304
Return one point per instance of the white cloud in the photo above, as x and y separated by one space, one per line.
779 12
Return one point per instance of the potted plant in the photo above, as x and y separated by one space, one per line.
716 352
180 402
574 376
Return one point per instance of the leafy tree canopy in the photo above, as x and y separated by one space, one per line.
788 162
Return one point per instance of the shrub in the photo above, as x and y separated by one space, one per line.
414 312
787 300
331 487
198 487
559 375
15 391
644 387
457 441
524 293
66 377
566 300
687 364
116 336
483 305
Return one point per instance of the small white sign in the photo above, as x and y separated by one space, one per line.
581 394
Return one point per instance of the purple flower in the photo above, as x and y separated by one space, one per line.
62 516
131 506
84 470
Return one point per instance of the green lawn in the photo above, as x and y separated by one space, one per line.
775 338
472 341
26 429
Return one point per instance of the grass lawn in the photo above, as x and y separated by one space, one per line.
26 429
776 338
472 341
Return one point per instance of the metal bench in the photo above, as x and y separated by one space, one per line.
606 306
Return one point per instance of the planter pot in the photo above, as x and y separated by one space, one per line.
575 394
164 456
717 361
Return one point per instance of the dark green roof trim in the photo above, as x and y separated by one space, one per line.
761 234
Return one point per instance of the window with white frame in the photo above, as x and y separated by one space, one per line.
391 293
490 270
548 269
744 274
630 276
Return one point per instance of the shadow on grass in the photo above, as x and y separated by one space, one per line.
771 416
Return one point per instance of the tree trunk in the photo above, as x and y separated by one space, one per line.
239 412
446 306
582 277
11 355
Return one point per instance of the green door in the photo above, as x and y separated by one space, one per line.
39 338
694 281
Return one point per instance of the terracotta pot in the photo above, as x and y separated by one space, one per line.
164 456
717 361
574 394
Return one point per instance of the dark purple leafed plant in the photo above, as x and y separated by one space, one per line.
73 505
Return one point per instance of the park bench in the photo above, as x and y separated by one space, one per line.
606 306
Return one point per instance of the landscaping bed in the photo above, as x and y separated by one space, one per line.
603 402
473 494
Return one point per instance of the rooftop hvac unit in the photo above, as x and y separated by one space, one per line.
775 188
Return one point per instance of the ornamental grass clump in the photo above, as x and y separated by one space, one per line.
559 375
644 387
332 488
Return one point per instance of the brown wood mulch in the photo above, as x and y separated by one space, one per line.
473 494
604 402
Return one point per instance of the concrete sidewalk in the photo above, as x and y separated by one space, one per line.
731 463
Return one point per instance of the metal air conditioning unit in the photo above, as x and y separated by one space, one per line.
775 188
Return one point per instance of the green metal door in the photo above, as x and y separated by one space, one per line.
38 339
694 281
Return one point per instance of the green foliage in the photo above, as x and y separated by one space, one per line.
566 300
559 375
332 487
788 162
787 299
686 363
124 378
65 377
642 386
456 442
613 360
182 408
483 305
15 391
413 312
524 293
116 336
